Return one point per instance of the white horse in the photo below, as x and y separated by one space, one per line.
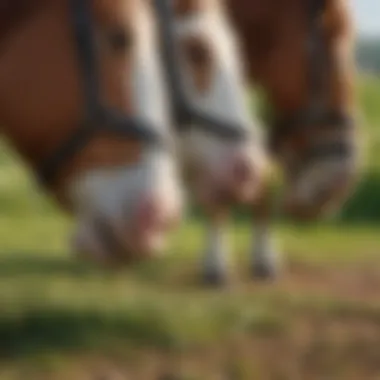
222 171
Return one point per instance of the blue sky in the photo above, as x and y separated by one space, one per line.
367 15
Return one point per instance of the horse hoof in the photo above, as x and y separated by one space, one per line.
265 271
215 279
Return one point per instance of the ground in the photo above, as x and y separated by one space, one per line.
61 319
64 320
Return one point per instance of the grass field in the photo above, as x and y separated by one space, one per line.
60 319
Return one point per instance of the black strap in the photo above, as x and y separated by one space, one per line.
82 25
84 39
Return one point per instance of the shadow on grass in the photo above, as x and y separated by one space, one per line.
29 264
43 331
140 324
163 272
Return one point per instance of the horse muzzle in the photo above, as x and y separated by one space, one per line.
320 193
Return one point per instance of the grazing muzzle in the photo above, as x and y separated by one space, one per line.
224 173
125 214
320 173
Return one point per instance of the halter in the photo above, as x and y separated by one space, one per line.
316 112
98 117
185 115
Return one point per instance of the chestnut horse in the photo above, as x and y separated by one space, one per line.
221 146
300 53
83 101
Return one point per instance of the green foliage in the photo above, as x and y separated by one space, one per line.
365 204
368 54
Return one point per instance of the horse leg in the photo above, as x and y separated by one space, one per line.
215 259
264 254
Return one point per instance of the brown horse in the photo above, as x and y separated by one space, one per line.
82 100
300 53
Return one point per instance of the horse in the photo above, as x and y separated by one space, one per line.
82 100
221 146
300 54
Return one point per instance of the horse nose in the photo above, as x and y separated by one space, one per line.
136 237
156 215
325 202
242 170
152 221
149 220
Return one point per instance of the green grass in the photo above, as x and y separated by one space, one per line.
60 319
54 308
369 95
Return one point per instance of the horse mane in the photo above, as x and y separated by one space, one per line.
15 12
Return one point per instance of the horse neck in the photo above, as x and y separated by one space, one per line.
252 20
35 62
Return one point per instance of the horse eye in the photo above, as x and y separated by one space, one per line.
197 53
120 40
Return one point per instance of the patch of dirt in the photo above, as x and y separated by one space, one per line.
313 347
346 282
